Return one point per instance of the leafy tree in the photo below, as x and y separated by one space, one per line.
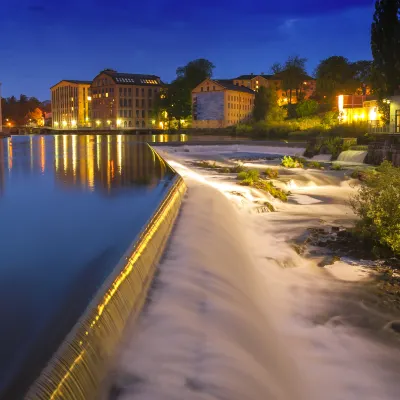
385 46
377 205
293 75
306 108
266 106
335 75
195 72
175 99
276 68
36 116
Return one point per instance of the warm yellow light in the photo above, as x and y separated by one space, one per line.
182 121
373 115
73 122
356 117
119 122
87 119
108 122
362 116
89 98
153 121
98 122
161 125
106 94
56 123
64 123
340 103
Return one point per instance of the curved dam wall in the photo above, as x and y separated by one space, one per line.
80 364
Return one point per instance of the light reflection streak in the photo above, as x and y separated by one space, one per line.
74 155
42 154
10 154
65 152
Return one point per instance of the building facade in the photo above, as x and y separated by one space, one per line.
306 89
358 108
1 115
70 104
124 101
220 103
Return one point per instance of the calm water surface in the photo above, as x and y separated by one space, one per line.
70 206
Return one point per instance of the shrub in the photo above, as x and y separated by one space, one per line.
377 205
237 168
336 167
251 175
335 146
314 164
306 108
252 178
244 128
290 162
330 118
272 173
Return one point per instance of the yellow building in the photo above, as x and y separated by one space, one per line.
70 104
358 108
220 103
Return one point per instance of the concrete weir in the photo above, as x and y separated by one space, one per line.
80 364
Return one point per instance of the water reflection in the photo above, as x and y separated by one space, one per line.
70 206
85 162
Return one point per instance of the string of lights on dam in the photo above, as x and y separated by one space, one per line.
84 222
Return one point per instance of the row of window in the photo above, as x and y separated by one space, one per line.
138 103
129 113
123 92
235 106
128 124
208 88
240 99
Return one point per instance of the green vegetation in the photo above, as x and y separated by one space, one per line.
378 206
266 106
289 162
272 173
336 167
306 108
252 178
335 146
314 165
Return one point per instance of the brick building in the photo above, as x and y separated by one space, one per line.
220 103
121 100
70 104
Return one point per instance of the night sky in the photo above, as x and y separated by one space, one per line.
45 41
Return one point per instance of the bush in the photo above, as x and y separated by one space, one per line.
336 167
335 146
243 128
306 108
290 162
251 175
314 164
252 178
377 205
330 118
272 173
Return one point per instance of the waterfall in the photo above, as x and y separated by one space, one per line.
352 156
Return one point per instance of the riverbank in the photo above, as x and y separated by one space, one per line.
237 313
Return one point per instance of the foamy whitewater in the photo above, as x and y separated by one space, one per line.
235 313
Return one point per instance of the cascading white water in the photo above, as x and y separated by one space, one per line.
352 156
237 314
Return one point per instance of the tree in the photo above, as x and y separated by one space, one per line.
36 116
336 75
306 108
385 46
195 72
293 76
276 68
266 106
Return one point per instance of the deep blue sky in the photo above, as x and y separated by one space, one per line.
44 41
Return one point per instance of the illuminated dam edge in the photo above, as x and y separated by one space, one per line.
79 366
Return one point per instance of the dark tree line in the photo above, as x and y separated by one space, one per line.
20 110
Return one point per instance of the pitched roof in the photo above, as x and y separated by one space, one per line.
228 84
251 76
73 81
133 79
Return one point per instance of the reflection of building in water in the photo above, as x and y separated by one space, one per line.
2 166
105 161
